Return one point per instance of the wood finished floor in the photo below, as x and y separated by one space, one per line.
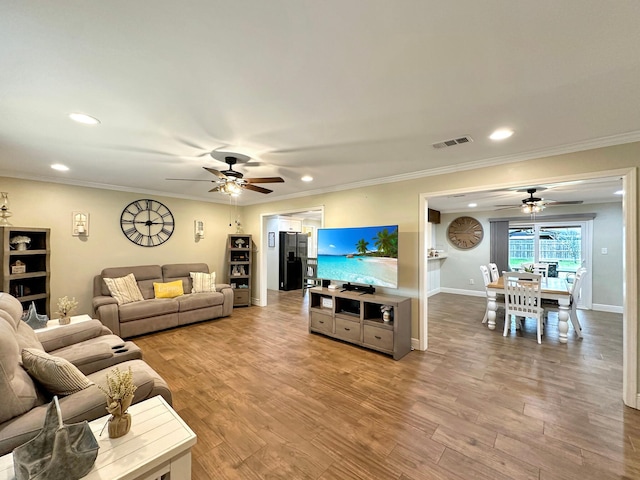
269 400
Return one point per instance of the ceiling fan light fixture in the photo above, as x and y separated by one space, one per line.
231 188
530 208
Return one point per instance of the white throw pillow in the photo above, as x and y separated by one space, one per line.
203 282
57 375
124 289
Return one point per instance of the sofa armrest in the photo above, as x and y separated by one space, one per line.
227 291
56 338
106 310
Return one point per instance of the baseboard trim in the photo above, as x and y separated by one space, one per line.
607 308
415 344
433 292
459 291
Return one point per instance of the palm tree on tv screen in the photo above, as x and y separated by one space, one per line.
387 243
361 246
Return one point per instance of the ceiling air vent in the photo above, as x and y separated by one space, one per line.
455 141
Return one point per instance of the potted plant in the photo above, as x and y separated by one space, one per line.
65 307
119 392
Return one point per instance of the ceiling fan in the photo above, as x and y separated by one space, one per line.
232 182
533 204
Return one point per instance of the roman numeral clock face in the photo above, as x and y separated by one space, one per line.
465 232
147 223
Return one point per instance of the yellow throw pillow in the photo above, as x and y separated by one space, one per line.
168 290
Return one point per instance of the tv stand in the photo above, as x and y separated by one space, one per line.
348 287
350 317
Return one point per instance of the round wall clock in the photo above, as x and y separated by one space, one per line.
465 232
147 223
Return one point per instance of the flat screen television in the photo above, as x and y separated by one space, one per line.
360 255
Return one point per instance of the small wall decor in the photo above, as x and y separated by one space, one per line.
198 228
80 224
4 209
272 239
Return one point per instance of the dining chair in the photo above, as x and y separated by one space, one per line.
575 293
487 279
522 299
493 270
541 269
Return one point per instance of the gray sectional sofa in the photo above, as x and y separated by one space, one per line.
153 314
89 345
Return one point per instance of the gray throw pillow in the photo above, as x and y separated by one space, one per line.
55 374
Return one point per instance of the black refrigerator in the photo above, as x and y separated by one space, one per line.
293 246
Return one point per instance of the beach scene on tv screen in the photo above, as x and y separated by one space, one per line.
365 255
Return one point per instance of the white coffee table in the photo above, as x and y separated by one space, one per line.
159 443
56 324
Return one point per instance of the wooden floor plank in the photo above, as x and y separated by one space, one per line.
269 400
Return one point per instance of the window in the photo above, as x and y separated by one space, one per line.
559 246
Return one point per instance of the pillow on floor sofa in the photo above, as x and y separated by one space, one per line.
57 375
203 282
168 290
124 289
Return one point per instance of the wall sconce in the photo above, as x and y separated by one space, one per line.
4 209
80 224
198 227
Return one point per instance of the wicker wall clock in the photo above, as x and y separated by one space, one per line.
147 223
465 232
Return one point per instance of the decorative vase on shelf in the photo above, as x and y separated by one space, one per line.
64 320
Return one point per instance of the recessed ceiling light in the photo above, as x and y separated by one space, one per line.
82 118
619 192
501 134
60 167
472 205
307 178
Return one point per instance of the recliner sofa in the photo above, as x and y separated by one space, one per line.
89 345
153 314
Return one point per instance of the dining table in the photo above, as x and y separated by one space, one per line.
551 288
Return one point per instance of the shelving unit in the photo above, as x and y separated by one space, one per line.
33 284
357 318
240 268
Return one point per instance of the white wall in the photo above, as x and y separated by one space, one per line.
75 260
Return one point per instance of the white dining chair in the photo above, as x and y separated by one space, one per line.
486 278
575 292
493 270
522 299
541 269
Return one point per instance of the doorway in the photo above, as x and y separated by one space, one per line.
630 263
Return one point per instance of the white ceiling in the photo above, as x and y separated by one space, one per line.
351 92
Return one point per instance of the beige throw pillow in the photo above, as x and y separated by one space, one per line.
124 289
203 282
56 374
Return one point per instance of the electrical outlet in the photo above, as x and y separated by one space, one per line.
604 251
472 281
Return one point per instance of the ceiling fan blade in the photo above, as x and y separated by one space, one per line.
264 180
569 202
216 189
191 179
215 172
255 188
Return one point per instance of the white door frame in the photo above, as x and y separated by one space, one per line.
630 394
261 301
